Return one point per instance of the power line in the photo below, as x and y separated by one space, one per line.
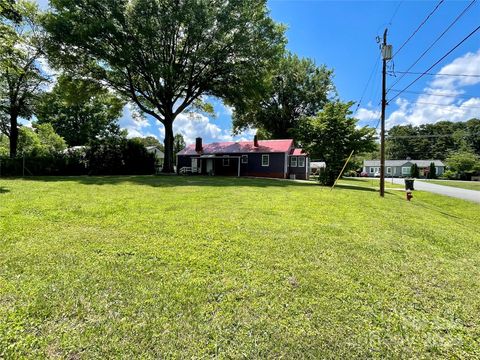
437 62
419 27
366 86
395 12
432 94
436 40
433 74
427 136
374 70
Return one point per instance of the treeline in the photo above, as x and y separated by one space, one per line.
455 143
433 141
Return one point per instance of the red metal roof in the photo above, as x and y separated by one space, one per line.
298 152
265 146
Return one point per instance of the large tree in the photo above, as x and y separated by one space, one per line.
80 110
298 88
21 78
332 135
164 55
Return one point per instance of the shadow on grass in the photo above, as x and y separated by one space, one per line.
361 180
171 181
4 190
359 188
437 209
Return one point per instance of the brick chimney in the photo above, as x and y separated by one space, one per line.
255 141
198 145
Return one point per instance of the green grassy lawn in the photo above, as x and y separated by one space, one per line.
373 183
470 185
192 267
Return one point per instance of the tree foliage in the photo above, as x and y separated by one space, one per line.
297 89
463 163
433 141
80 110
332 135
40 140
21 78
414 171
9 11
432 171
117 155
149 141
164 55
178 143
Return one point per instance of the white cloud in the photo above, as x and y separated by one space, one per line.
367 114
467 64
190 125
193 125
441 99
133 121
228 110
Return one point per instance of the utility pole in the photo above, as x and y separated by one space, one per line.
386 55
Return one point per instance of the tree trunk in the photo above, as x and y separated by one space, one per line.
169 155
13 135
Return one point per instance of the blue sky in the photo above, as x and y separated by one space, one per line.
341 35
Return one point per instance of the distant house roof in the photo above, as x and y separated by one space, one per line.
297 152
318 164
155 150
230 147
420 163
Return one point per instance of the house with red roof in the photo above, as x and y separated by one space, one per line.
263 158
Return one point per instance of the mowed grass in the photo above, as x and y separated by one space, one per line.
469 185
199 267
373 183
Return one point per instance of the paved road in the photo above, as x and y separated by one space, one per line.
471 195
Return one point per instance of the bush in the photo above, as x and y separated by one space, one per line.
112 157
449 175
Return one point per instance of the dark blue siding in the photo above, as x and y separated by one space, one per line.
300 172
253 167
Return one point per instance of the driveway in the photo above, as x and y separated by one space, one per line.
464 194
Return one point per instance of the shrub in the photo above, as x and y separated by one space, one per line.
107 157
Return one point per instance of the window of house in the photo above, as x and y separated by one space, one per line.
372 170
301 161
389 170
226 162
244 159
406 170
265 160
293 161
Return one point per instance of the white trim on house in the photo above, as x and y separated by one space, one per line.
226 162
293 161
267 157
389 170
244 159
406 170
301 161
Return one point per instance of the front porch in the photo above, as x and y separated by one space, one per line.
225 165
